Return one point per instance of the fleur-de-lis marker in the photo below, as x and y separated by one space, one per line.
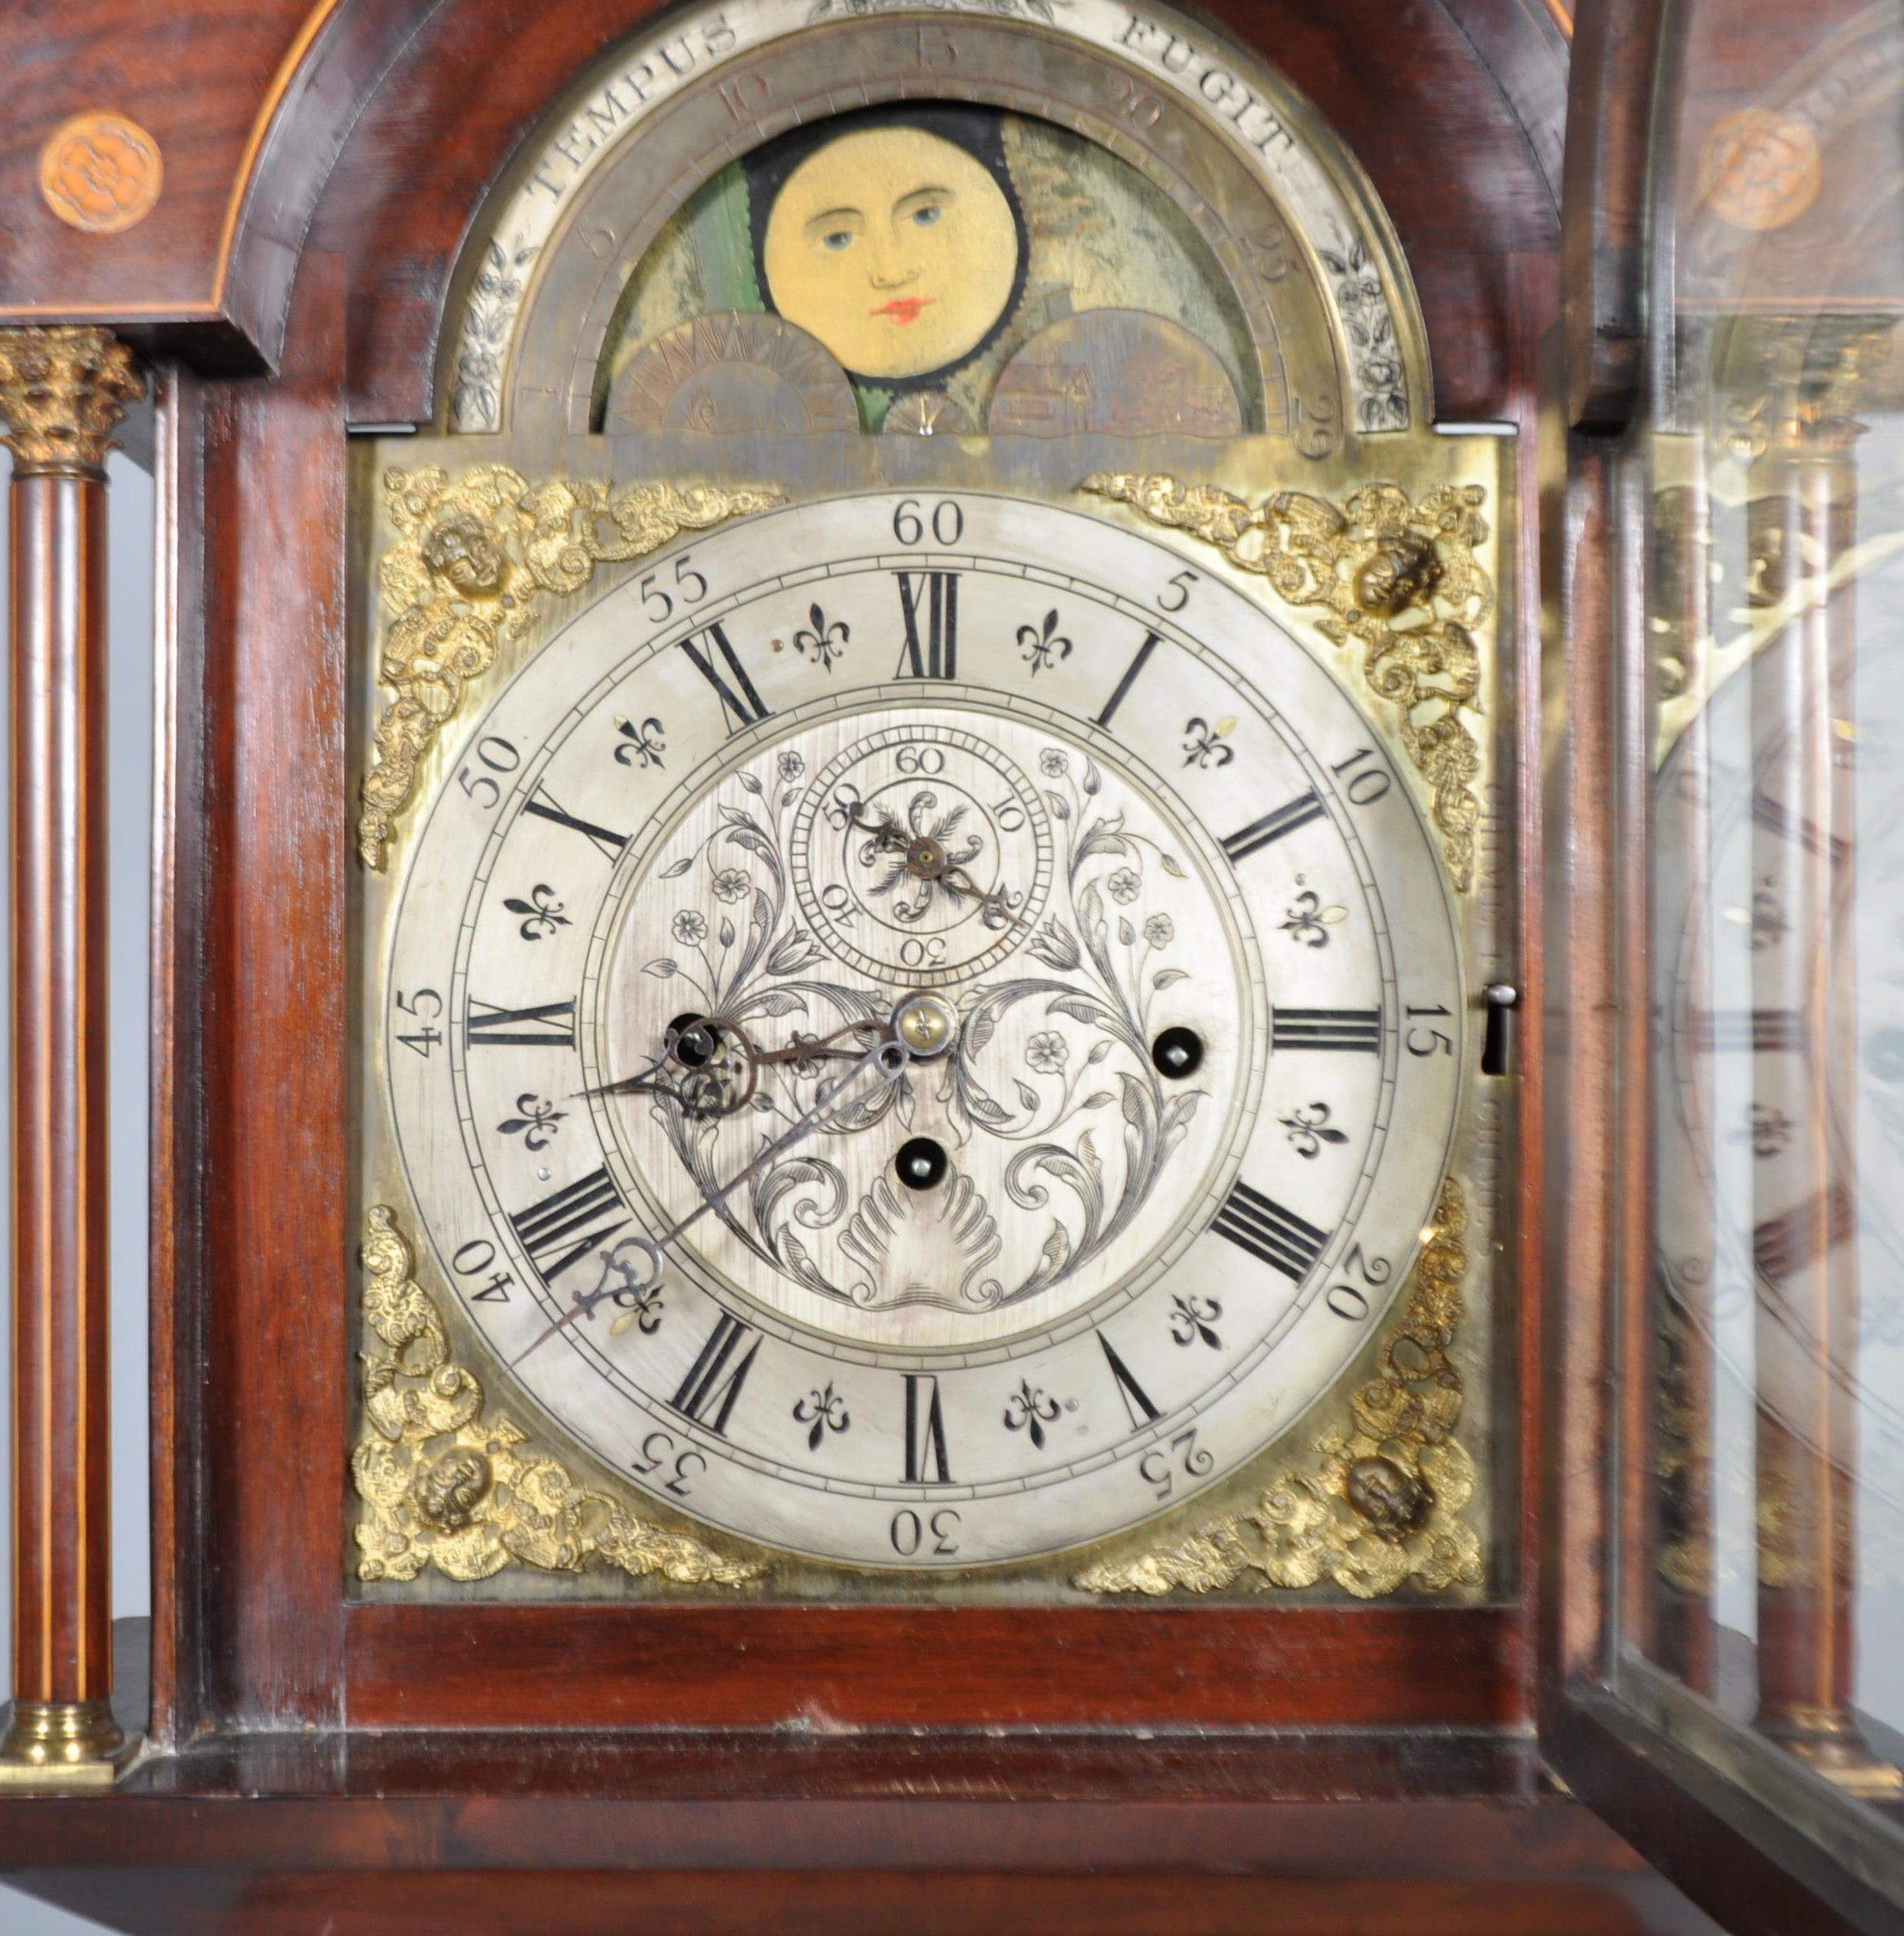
1195 1318
645 743
1307 921
641 1307
535 1121
825 1411
1309 1129
1043 645
543 910
1203 743
1028 1410
821 641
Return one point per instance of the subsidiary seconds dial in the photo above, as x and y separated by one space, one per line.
1126 870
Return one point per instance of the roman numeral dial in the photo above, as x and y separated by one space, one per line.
1275 826
1348 1031
1167 918
715 1381
712 655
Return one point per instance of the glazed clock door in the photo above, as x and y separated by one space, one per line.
1723 1654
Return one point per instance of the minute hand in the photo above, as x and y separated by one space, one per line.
888 1057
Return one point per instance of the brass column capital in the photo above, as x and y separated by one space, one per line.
62 392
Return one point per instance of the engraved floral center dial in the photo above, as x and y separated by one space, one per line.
1063 927
925 1030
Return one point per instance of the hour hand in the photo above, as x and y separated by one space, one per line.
888 834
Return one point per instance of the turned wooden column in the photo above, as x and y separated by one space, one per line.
61 393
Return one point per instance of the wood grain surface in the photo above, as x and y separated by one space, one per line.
62 1470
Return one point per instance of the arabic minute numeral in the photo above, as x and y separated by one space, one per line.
1425 1040
657 1452
1180 584
1367 786
1197 1462
476 1258
424 1008
908 1533
659 605
499 757
1348 1301
946 521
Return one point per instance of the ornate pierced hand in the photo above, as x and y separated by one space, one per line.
929 862
636 1261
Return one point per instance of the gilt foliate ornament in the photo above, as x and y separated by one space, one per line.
1399 578
1381 1508
474 561
443 1484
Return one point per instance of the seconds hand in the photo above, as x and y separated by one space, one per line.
889 1057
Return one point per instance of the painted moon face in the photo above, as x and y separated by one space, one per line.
895 247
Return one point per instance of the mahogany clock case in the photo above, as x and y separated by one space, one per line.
274 691
255 1216
1203 343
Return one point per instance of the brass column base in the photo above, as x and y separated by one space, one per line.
64 1746
1831 1746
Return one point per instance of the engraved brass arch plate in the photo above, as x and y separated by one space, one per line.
1279 202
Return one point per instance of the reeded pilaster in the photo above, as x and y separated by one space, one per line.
63 392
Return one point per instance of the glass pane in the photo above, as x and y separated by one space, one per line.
1774 1587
